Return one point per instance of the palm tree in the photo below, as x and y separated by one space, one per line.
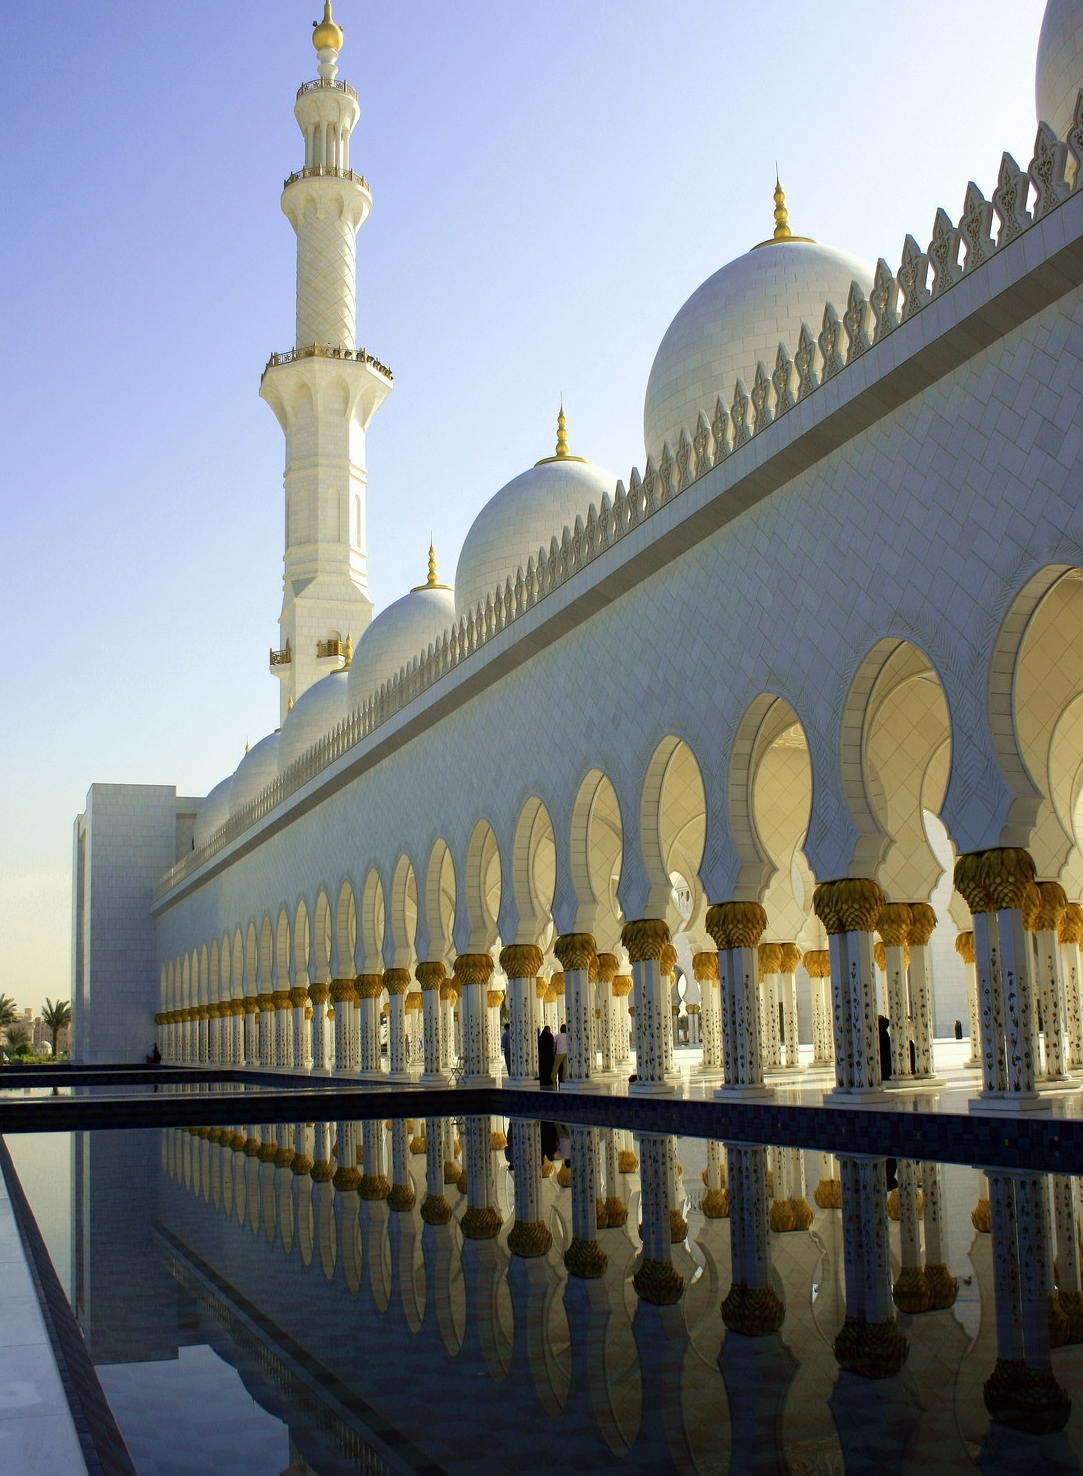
57 1017
9 1013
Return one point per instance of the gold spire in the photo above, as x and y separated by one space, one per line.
433 581
347 655
327 33
289 705
562 452
782 221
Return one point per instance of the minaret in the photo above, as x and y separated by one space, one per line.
324 390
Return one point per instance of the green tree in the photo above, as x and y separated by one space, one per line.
9 1013
57 1017
18 1041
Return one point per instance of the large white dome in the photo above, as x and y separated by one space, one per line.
1059 72
404 630
735 320
254 772
318 709
523 516
213 813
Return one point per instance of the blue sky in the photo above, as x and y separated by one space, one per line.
550 182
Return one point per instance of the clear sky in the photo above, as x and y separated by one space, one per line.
550 182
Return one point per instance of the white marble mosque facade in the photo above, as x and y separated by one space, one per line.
846 595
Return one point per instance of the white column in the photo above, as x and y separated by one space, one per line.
644 940
473 971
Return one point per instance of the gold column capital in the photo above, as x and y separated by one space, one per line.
1053 905
473 968
343 991
996 879
894 924
736 924
791 957
668 960
299 996
922 923
576 951
521 960
849 905
608 964
622 985
397 981
770 958
964 947
430 973
319 993
1070 929
644 938
705 966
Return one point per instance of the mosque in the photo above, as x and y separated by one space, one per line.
778 734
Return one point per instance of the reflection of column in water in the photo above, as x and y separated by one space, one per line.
374 1183
1022 1392
481 1219
911 1292
943 1287
656 1278
584 1256
529 1236
715 1202
435 1209
869 1341
1067 1264
752 1306
402 1195
616 1211
347 1175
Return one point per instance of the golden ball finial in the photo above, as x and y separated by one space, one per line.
327 33
433 581
562 452
782 233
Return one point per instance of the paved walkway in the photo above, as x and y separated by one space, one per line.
37 1433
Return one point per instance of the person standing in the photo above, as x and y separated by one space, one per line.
561 1059
546 1050
505 1047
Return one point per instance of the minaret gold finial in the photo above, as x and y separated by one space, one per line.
347 655
562 452
327 33
289 705
562 434
433 581
782 234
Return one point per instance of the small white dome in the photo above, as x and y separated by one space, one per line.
318 709
398 634
524 516
213 813
736 319
1059 71
254 772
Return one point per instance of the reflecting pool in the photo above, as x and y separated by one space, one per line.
481 1295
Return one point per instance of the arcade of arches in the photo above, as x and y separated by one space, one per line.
865 969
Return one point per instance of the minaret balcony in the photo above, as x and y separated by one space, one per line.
330 351
281 658
320 84
326 171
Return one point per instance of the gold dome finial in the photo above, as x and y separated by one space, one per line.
782 233
326 32
782 215
347 654
562 433
289 705
562 452
433 581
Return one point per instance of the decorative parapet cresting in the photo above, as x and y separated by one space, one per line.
1021 197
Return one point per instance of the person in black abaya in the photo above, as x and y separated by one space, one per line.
547 1047
884 1036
